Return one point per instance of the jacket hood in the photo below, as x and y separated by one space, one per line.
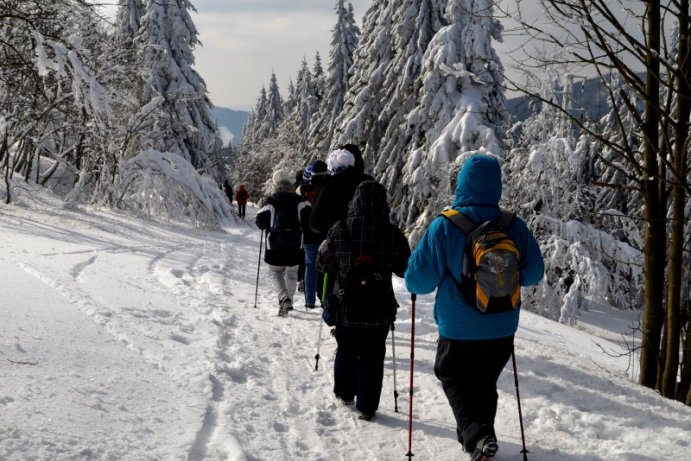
479 182
370 201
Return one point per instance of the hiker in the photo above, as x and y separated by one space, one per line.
282 218
312 176
359 255
228 189
473 346
241 197
332 195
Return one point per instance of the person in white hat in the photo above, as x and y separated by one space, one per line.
283 218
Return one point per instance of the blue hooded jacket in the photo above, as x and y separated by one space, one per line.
438 258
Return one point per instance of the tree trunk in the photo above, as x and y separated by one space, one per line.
654 228
684 389
676 257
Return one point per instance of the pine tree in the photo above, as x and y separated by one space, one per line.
296 127
461 106
343 44
273 117
184 125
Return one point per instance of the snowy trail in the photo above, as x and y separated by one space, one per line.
126 339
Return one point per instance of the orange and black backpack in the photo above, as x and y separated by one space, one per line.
490 273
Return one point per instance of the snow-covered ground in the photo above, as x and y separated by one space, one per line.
124 339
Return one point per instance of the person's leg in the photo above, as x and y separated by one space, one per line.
278 280
345 363
291 281
468 371
311 273
370 370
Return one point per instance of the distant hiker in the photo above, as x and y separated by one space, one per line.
312 175
358 256
334 193
282 218
241 197
473 346
228 189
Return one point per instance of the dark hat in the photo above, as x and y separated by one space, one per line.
315 170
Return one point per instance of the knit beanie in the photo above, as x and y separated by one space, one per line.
315 171
280 176
340 160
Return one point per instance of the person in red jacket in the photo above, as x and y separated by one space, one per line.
241 197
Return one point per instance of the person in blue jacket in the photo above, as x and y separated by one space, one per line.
473 347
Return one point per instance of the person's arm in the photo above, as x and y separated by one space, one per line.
427 264
321 217
265 217
403 254
532 264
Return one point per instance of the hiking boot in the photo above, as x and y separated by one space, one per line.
310 306
345 401
485 449
366 416
286 305
301 286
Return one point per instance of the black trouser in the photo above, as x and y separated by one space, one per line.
241 210
468 371
359 365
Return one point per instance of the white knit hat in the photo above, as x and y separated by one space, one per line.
280 176
339 160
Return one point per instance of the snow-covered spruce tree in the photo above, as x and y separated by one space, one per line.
414 26
250 135
268 125
461 105
343 44
296 127
183 125
359 123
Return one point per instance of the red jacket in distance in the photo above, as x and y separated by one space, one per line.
242 195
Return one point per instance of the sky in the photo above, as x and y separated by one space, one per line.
128 338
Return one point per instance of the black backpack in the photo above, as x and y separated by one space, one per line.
285 233
365 291
491 264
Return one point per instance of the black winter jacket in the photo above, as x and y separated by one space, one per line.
332 198
371 231
282 200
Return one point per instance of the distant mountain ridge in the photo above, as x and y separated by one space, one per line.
233 121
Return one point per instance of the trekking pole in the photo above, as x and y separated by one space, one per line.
321 323
395 389
518 399
256 288
410 455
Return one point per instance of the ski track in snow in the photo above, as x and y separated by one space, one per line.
184 304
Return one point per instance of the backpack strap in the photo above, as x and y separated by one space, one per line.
467 225
459 220
505 219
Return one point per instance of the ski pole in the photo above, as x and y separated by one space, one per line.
410 455
321 322
256 288
518 399
393 350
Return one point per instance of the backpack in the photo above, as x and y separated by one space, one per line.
285 233
490 273
365 290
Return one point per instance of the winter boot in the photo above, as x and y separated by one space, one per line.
485 449
366 416
345 401
301 286
285 306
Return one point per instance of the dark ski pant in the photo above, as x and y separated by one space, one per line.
468 371
359 365
241 209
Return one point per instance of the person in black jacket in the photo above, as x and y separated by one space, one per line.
333 194
283 218
363 324
228 189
